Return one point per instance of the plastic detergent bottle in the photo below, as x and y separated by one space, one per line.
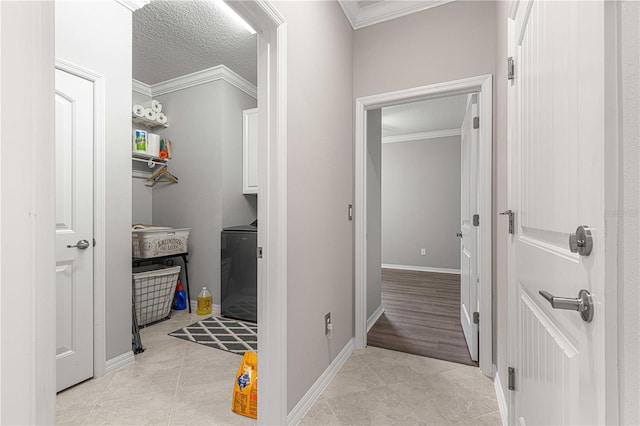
204 302
180 299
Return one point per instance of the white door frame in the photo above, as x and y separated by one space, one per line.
39 405
272 214
483 86
99 207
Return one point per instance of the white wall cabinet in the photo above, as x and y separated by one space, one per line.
250 151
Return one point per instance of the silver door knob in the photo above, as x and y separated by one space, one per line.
82 245
583 304
581 242
459 234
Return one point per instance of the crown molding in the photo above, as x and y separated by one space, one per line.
360 17
142 88
134 5
208 75
411 137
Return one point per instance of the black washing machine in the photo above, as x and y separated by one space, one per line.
239 273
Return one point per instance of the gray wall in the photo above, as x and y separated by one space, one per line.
107 51
421 203
237 209
448 42
320 186
142 195
374 210
206 131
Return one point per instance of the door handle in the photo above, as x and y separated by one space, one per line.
82 245
583 304
459 234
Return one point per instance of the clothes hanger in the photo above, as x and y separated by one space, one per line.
162 175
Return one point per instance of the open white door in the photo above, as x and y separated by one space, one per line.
557 183
469 238
74 229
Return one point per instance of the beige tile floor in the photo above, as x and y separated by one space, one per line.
175 382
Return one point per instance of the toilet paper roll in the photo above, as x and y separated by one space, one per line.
153 104
153 144
161 118
138 110
150 114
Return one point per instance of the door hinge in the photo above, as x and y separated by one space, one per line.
476 318
511 68
512 378
350 214
476 122
476 220
259 252
511 219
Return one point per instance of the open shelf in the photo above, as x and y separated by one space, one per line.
149 159
148 123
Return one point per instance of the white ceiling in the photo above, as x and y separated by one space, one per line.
175 38
362 13
424 116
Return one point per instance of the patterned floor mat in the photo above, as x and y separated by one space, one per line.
222 333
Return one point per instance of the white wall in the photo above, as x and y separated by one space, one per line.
97 36
27 261
421 203
205 127
374 210
320 180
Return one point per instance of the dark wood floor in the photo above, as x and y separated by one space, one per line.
422 316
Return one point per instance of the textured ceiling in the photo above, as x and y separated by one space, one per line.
424 116
174 38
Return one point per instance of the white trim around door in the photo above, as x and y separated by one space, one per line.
99 207
272 212
483 86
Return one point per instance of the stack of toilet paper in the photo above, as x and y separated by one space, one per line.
151 111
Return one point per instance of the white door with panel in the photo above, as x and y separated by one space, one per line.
469 237
557 151
74 229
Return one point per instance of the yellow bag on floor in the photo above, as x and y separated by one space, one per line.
245 388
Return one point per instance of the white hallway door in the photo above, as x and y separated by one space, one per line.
74 227
557 183
469 239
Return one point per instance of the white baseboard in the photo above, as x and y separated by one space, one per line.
502 401
374 317
421 268
215 309
115 364
306 402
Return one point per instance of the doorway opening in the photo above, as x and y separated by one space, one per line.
418 211
482 86
272 185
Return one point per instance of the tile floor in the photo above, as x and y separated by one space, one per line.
175 382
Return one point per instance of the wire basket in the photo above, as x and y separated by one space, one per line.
153 290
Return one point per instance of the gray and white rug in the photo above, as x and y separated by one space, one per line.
222 333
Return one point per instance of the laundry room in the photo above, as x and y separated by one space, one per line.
194 157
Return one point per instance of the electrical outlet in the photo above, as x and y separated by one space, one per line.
423 252
328 326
